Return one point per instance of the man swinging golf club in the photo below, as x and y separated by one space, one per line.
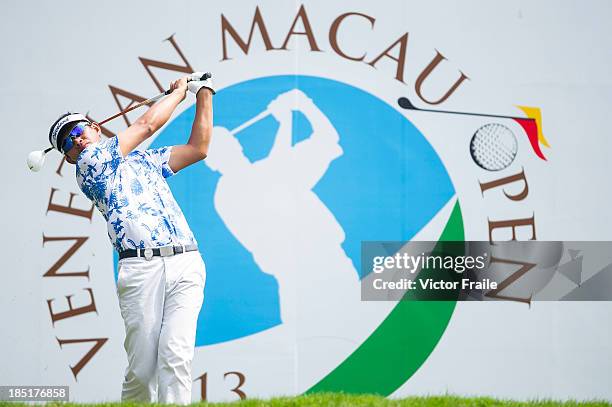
161 274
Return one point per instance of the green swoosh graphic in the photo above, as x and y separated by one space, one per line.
400 344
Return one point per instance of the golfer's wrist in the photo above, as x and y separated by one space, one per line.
204 92
180 93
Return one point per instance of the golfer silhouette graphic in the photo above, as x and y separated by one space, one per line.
270 207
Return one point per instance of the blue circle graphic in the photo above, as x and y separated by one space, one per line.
388 183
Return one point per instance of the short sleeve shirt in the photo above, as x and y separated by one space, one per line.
133 196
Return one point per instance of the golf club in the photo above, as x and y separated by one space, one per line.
405 103
250 122
36 159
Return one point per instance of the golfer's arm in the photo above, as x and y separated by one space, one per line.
282 142
322 128
150 122
196 148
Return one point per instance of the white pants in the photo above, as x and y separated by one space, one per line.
160 300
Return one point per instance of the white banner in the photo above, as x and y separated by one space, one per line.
476 121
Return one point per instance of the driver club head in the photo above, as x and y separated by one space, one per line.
36 160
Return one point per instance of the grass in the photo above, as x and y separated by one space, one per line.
346 400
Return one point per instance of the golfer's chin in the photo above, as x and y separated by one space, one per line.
74 156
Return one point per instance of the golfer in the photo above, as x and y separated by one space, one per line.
161 274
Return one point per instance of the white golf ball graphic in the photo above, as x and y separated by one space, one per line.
493 147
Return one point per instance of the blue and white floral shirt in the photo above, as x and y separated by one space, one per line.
133 196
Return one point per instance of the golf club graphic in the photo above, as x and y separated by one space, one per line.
528 124
36 159
250 122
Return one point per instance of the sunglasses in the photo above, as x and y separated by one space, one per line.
77 131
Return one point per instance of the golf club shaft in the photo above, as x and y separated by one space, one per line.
149 101
405 103
250 122
136 106
498 116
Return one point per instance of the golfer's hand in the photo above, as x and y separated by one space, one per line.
195 84
179 86
280 109
284 103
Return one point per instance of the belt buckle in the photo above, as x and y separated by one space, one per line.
166 251
148 254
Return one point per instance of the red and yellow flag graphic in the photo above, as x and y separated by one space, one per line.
532 125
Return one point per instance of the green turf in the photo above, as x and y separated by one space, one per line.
338 399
